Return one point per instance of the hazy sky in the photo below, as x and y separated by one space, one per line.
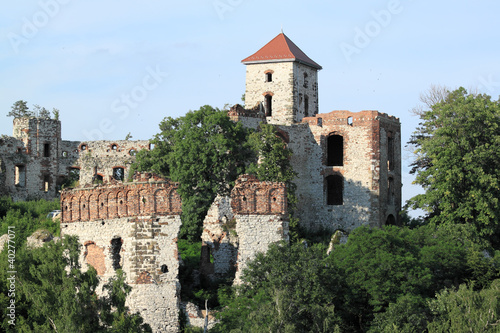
114 67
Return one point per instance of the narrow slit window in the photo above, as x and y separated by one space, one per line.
269 77
269 106
306 106
390 152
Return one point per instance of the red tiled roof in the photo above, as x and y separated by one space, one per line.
279 49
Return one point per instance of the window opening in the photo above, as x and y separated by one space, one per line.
20 175
390 152
132 152
335 150
306 81
390 191
334 190
118 174
114 147
349 121
46 180
269 106
390 220
116 246
306 106
269 77
46 150
83 147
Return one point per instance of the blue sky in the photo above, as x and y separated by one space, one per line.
168 57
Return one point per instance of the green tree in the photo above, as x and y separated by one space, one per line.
402 265
466 310
41 112
289 289
20 109
458 162
205 152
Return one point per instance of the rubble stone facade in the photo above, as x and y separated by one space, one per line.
133 227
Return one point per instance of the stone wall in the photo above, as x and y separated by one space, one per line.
261 214
36 161
133 227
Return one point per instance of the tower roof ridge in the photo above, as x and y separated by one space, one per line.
280 48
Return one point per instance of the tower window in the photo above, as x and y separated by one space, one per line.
390 152
46 150
306 106
335 150
335 190
306 81
269 105
390 191
269 77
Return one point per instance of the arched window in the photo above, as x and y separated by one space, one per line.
269 105
390 220
335 190
335 150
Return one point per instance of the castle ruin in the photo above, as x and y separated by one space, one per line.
348 166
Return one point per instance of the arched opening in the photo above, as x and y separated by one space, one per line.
335 190
335 150
390 220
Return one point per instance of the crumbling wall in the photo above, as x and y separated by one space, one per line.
219 240
133 227
261 214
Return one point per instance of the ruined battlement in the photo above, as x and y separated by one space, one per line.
251 196
339 117
147 195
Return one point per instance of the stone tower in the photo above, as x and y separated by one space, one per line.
282 81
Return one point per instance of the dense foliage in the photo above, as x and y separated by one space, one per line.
458 162
378 280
